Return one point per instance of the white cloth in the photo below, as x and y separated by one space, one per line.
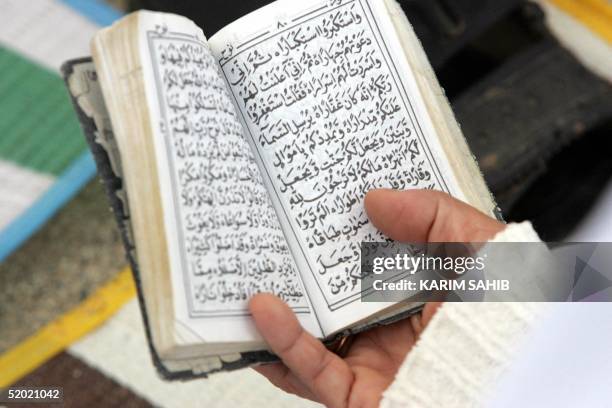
465 348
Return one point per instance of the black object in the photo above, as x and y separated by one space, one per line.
519 117
446 26
573 181
534 118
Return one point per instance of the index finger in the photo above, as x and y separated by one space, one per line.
325 374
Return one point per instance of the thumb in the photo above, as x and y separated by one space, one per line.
428 216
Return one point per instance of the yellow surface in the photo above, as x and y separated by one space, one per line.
595 14
61 333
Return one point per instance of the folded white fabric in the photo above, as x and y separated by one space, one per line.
465 347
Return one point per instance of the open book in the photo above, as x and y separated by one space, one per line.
238 164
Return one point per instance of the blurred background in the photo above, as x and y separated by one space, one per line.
530 83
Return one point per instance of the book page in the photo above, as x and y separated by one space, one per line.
225 240
333 110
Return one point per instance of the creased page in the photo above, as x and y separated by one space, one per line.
333 111
225 239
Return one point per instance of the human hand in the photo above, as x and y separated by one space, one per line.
311 371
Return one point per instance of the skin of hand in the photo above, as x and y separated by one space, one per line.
311 371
